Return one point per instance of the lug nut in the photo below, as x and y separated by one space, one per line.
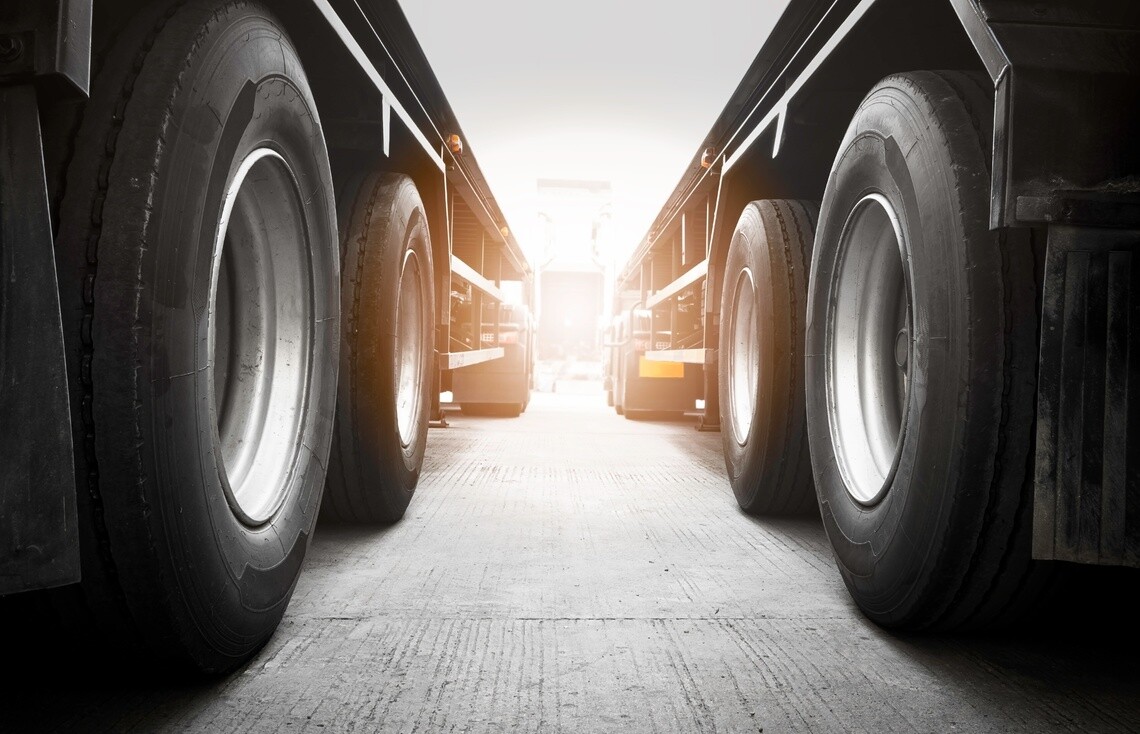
902 348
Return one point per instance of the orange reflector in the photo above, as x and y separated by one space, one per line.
707 157
455 144
652 368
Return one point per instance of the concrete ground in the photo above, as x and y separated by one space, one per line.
572 571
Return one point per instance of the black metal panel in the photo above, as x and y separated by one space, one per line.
39 543
1087 503
48 41
1070 106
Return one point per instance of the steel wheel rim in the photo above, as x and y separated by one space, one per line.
743 357
261 334
409 349
869 348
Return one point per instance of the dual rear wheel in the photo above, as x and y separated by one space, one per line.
199 271
917 357
198 276
761 368
387 298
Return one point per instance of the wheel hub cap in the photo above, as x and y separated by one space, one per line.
409 349
869 348
743 358
260 333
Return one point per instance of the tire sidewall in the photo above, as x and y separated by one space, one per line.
416 242
243 90
383 459
744 457
886 551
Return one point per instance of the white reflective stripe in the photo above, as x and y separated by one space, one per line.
781 106
463 271
686 279
686 356
370 70
386 117
456 360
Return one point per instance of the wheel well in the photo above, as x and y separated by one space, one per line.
351 110
894 36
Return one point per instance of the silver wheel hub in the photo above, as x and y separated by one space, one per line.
743 357
260 333
409 349
868 348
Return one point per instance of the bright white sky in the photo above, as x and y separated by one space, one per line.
617 90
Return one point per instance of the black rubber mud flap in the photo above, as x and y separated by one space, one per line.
39 541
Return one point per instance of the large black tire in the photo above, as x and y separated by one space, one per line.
384 396
627 374
760 370
203 362
619 386
922 430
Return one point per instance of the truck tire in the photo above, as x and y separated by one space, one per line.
384 398
198 272
921 364
628 373
617 390
761 384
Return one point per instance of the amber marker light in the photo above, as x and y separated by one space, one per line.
455 144
707 157
505 231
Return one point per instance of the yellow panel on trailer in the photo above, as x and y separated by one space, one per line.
653 368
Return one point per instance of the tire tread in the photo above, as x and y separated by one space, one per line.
351 495
1000 572
87 182
786 227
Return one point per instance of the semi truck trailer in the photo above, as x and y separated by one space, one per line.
231 234
499 387
638 387
911 234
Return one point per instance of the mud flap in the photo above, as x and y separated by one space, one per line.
1087 502
39 541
